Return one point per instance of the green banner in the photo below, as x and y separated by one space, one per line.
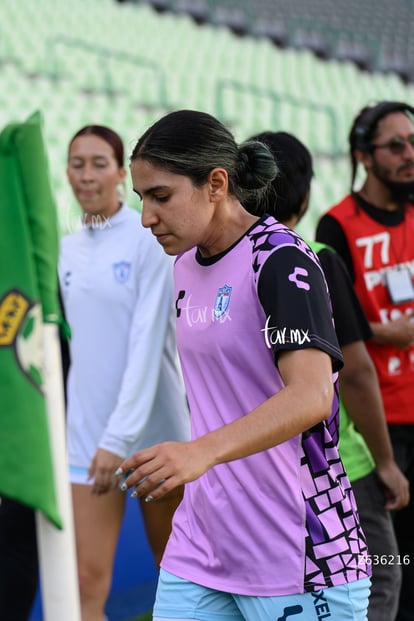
28 296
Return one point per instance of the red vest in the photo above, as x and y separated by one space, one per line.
376 248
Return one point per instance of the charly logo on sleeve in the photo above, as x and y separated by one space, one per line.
301 284
122 270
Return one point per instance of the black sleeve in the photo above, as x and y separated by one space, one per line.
294 296
351 323
330 232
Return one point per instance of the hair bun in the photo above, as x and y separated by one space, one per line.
256 166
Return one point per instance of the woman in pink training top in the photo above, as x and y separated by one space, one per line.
268 527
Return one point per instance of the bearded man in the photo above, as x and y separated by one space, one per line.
373 230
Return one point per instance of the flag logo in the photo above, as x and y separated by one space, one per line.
222 301
13 308
20 325
28 299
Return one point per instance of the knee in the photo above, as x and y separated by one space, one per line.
94 583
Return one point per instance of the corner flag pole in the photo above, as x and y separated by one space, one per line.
33 463
57 551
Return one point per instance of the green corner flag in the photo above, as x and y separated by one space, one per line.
28 297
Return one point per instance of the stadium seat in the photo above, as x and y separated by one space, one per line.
159 5
311 39
355 51
233 18
273 29
197 9
156 62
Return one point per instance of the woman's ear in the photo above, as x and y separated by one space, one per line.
122 175
218 184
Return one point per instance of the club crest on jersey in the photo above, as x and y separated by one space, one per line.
222 301
122 271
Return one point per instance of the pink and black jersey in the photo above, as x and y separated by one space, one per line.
283 521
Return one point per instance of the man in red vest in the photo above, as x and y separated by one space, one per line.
373 230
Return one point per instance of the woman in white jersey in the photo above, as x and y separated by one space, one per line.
268 528
125 390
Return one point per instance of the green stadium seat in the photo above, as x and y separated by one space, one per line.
126 64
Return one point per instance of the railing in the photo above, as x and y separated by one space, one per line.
277 100
106 57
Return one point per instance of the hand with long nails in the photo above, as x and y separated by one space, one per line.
161 468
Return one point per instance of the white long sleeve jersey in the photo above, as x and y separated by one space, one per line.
125 389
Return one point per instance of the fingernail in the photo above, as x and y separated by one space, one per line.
149 499
118 472
123 487
134 494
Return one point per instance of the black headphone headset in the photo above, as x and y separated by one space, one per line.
364 128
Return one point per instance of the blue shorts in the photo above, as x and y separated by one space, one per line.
77 474
180 599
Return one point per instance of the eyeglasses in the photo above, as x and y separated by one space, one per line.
395 145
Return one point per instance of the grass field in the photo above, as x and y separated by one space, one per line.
147 616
